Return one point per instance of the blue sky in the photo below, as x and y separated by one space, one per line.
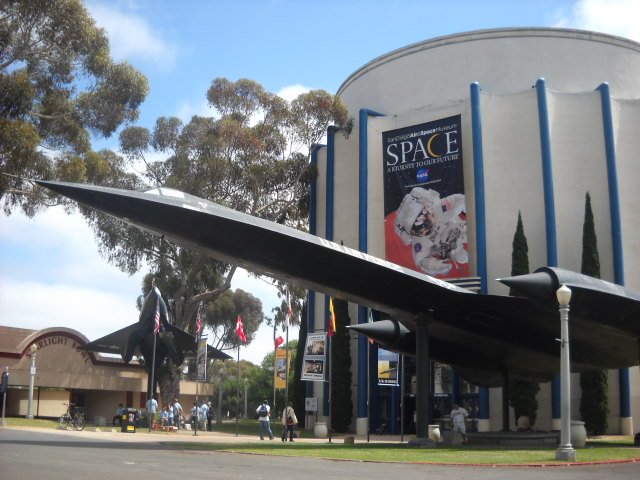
50 272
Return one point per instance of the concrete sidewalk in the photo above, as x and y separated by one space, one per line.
143 435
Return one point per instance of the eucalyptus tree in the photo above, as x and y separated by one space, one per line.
251 155
58 85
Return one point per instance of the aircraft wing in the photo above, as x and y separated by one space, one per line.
187 342
482 335
117 341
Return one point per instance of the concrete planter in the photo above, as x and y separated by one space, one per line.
320 430
578 434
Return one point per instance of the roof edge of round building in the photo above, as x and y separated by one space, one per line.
488 34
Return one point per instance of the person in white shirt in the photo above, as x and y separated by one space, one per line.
264 412
458 419
177 412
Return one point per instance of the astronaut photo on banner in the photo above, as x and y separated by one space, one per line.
424 201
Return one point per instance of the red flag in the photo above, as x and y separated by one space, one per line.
156 325
279 341
198 324
240 330
332 319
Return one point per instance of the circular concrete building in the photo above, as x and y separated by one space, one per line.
493 124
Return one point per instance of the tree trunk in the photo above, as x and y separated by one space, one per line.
169 382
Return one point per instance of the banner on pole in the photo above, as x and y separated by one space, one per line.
201 360
313 363
387 367
281 369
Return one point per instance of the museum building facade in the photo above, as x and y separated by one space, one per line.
493 124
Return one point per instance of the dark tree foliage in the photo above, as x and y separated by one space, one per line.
341 403
590 257
247 156
522 394
594 402
519 253
522 397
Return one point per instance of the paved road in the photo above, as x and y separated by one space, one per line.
51 455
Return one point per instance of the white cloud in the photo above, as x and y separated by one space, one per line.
615 17
53 277
131 37
186 110
291 92
92 312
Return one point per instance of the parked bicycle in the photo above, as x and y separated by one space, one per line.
73 416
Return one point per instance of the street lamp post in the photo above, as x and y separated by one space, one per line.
32 378
565 451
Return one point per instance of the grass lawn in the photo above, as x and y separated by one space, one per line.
393 452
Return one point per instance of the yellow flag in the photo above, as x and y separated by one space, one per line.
332 319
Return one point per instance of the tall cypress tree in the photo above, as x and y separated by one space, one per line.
594 403
341 403
519 252
522 393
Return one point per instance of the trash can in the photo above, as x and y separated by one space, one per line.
128 424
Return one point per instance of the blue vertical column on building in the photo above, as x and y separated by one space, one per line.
549 210
363 231
616 227
481 226
331 133
313 229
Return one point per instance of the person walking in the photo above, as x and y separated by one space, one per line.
458 418
194 416
117 418
264 412
177 413
152 408
209 416
289 421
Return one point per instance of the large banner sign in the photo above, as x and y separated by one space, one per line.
314 357
424 202
281 369
388 367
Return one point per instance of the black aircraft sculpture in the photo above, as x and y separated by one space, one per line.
138 340
485 337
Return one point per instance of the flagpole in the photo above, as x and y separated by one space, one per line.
286 370
286 367
402 398
238 391
153 367
368 390
198 337
330 383
369 342
275 365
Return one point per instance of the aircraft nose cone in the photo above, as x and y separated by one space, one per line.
537 286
